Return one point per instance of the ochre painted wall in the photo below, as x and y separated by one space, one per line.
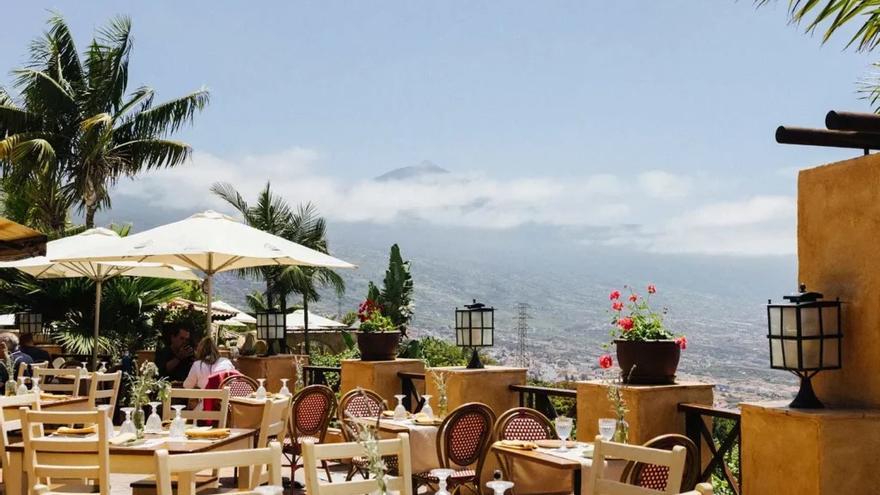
839 256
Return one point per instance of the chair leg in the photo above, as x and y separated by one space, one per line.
327 470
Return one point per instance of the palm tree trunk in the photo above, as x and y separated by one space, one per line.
90 215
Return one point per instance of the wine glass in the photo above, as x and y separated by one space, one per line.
154 422
442 475
109 423
178 424
500 486
85 367
22 388
399 410
564 425
103 367
261 390
426 409
607 427
284 390
128 424
35 386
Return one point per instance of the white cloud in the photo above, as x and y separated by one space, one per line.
665 208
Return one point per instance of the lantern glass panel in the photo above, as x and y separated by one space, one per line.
789 321
812 351
830 354
791 354
829 320
776 353
775 320
810 322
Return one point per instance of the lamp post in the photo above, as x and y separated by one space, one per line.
475 328
804 335
31 323
272 327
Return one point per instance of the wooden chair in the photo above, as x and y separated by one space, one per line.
462 442
655 477
182 468
701 489
64 381
520 423
361 403
218 417
672 460
89 458
240 385
273 424
315 453
313 406
12 405
104 387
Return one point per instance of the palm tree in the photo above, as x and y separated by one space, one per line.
838 13
304 226
74 130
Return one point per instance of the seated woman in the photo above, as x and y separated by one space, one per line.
208 362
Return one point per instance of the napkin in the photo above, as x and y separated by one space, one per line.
519 444
49 395
213 433
66 430
122 438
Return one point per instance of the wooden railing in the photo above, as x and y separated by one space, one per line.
723 441
323 375
412 401
540 398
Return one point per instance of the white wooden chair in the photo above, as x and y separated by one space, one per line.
104 387
673 460
221 395
63 381
701 489
273 424
89 457
183 467
314 453
9 414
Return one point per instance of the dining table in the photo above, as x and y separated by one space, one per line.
422 439
136 458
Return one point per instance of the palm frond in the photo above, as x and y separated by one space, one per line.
165 118
44 94
26 146
228 193
14 119
834 15
145 154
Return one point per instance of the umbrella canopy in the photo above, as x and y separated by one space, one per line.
295 321
52 265
212 242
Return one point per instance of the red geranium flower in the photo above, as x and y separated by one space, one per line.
365 309
617 306
652 289
633 298
682 342
615 295
625 323
606 362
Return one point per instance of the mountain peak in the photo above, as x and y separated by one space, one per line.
423 169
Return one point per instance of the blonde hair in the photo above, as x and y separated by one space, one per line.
207 351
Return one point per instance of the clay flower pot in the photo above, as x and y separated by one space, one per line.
378 346
655 361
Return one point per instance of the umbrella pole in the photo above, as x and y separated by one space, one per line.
98 289
306 324
209 288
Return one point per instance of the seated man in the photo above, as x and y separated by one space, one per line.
26 345
9 352
175 358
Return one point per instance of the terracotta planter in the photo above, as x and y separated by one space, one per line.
655 361
378 346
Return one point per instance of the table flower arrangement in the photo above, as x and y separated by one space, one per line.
143 384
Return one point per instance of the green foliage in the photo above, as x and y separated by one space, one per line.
74 129
436 352
635 319
395 297
835 14
720 429
349 318
563 405
377 322
167 319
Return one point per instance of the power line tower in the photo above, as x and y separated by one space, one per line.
522 329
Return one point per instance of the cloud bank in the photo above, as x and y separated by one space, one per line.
652 210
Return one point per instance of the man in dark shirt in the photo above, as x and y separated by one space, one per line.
26 346
175 358
9 345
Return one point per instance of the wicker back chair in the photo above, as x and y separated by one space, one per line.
240 385
462 441
654 476
362 403
310 414
520 423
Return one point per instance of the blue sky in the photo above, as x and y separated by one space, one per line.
651 120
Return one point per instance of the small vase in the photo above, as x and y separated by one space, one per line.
621 432
10 387
139 421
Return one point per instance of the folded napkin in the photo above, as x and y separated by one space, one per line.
87 430
49 395
213 433
519 444
122 438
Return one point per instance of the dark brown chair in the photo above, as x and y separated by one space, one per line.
239 385
655 477
462 441
362 403
310 414
520 423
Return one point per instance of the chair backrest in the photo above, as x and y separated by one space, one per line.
311 411
464 436
359 403
274 421
523 423
104 387
219 416
40 364
655 477
9 420
183 467
89 457
314 453
65 380
22 369
673 460
239 385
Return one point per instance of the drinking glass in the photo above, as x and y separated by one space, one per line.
127 425
103 367
607 427
178 425
85 367
284 390
442 475
261 391
500 486
35 386
399 410
154 422
564 425
427 407
22 388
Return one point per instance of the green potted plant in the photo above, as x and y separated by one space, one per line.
377 335
647 352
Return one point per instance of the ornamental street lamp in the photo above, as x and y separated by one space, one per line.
272 327
475 328
804 335
31 323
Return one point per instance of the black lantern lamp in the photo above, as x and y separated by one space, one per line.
475 327
31 323
805 334
272 327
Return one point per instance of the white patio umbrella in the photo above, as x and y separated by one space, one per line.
296 321
212 242
52 265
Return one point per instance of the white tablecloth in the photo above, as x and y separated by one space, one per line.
613 469
422 443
